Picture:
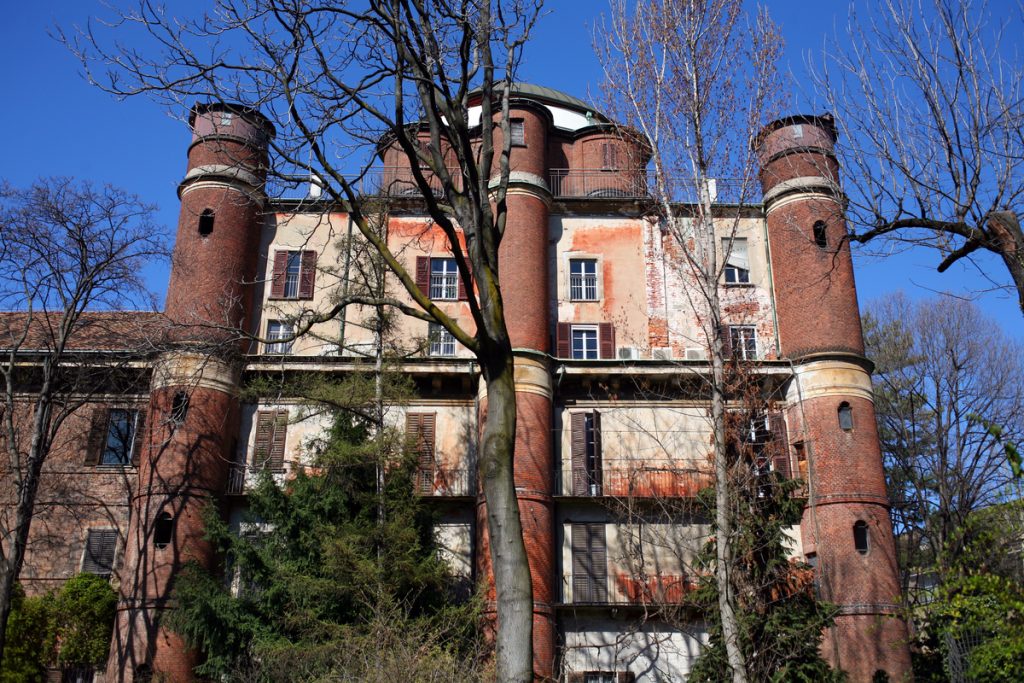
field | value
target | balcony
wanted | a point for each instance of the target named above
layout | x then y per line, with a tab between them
626	589
446	483
242	478
640	482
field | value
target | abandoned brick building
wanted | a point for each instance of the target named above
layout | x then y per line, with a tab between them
597	308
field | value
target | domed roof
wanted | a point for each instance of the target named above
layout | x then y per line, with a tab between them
551	96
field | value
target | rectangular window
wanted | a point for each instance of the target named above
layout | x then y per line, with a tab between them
586	454
517	132
294	275
271	434
609	156
589	563
442	343
419	434
737	264
583	279
277	329
444	279
743	340
122	425
584	342
100	546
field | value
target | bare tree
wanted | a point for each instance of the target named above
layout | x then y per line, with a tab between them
927	96
65	248
413	78
698	81
943	371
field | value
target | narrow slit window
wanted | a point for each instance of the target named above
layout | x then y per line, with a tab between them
820	235
163	530
179	407
860	537
845	416
206	223
517	132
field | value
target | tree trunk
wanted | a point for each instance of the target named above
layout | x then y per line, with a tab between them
514	590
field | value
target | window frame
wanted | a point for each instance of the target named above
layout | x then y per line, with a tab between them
133	437
588	288
110	531
732	274
517	132
592	332
300	265
275	347
743	347
861	526
447	288
440	342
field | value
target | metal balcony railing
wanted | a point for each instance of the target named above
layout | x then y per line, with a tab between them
640	481
626	589
438	482
239	475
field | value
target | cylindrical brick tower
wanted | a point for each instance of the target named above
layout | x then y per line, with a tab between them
846	530
192	417
523	272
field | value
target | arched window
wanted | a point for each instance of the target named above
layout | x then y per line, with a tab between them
206	223
820	235
860	537
845	416
179	407
163	530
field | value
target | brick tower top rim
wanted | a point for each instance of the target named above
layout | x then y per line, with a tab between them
249	113
825	122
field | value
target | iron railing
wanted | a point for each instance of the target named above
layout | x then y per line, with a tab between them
627	589
441	482
639	482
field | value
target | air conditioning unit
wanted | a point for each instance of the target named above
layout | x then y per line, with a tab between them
695	353
628	353
661	353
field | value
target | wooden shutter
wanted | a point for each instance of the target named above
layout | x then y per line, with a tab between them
727	350
420	431
280	268
609	156
597	476
307	274
626	677
275	460
589	563
465	285
100	546
423	274
140	440
606	340
579	454
563	333
779	445
97	435
264	437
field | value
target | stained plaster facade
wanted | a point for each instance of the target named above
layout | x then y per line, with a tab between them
642	384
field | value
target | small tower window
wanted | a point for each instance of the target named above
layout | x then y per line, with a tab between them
517	132
179	407
820	235
860	537
163	530
845	416
206	223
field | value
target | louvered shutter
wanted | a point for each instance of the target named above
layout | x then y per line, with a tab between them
100	546
423	274
464	285
280	269
780	445
275	460
563	332
597	476
606	339
264	435
727	350
420	432
579	454
97	440
589	563
140	440
307	274
610	156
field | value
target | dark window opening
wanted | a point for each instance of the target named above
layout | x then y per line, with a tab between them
77	674
163	530
860	537
121	436
206	223
820	235
845	416
144	673
100	546
179	407
812	560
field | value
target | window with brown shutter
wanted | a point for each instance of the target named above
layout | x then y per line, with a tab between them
606	335
586	454
589	563
268	446
97	436
582	341
100	546
609	156
420	434
780	445
294	274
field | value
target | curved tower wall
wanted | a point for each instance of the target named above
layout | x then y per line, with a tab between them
193	411
820	332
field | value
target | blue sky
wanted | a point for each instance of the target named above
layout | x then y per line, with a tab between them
56	124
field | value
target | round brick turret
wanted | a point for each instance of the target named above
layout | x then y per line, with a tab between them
846	530
193	414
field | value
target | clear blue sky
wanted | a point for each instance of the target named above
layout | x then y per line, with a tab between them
56	124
